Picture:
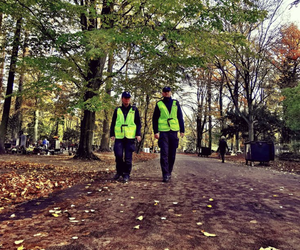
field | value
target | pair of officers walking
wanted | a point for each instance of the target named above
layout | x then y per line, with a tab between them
125	127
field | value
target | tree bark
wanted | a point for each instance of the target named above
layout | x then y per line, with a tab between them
94	81
105	132
2	56
10	83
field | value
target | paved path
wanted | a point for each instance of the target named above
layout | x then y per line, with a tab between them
246	208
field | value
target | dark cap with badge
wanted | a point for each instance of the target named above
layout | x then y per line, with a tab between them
126	94
166	89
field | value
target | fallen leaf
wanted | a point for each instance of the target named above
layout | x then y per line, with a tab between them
209	234
55	215
209	206
140	218
199	223
268	248
137	227
211	199
20	247
17	242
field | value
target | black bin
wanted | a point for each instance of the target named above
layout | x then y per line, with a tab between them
205	151
261	151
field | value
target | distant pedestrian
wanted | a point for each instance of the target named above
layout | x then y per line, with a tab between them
167	122
125	128
45	143
222	148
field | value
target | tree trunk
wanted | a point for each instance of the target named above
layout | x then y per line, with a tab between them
105	133
94	81
236	106
19	99
85	150
2	56
10	83
140	145
36	125
209	111
104	147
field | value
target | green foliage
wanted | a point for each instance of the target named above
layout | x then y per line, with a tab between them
292	107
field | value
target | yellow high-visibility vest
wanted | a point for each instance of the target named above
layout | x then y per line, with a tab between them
168	120
125	128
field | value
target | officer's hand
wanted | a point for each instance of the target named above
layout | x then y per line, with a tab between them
112	138
156	136
138	138
182	135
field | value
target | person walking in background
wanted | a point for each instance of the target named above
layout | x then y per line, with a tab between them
222	148
167	122
125	128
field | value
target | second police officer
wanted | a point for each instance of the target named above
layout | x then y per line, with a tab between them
125	128
167	122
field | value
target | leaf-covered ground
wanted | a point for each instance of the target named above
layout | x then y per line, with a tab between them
32	196
23	178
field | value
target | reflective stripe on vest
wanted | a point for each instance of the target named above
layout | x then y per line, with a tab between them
125	128
168	121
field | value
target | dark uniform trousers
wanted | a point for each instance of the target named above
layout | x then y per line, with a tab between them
123	149
168	143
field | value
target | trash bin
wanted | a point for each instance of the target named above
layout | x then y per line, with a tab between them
205	151
261	151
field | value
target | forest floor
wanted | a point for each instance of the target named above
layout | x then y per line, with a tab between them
30	184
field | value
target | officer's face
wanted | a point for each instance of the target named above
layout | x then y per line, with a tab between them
125	101
167	94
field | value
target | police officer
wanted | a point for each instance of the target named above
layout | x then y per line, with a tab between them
125	128
167	121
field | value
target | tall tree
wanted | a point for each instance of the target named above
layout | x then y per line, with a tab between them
10	83
146	33
249	68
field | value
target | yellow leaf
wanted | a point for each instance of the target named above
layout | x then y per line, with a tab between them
211	199
209	234
55	215
137	227
210	206
268	248
20	248
140	218
17	242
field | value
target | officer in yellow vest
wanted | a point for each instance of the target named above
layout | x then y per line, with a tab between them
125	128
167	122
